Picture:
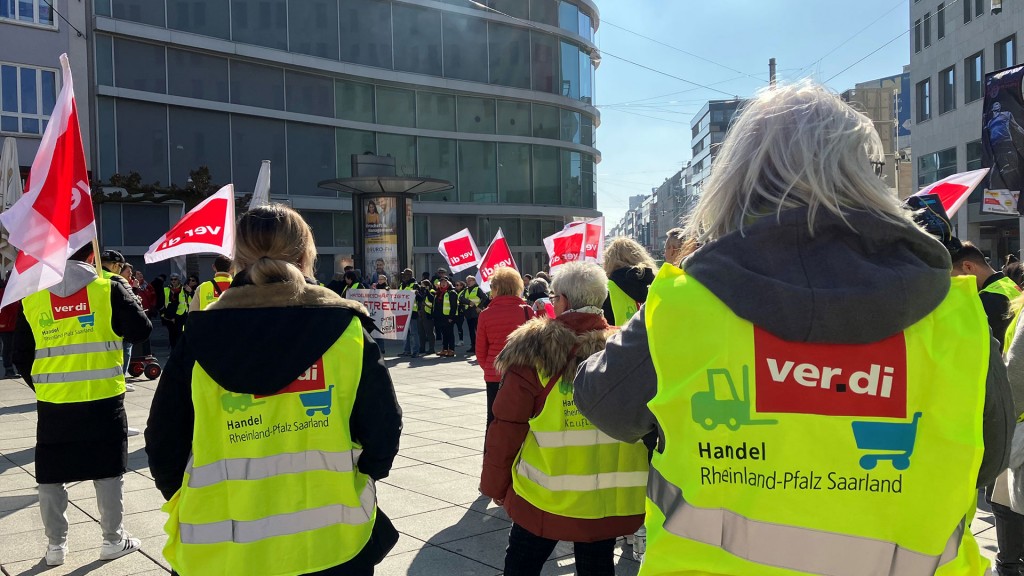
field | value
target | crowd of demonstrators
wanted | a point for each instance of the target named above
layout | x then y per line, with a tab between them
318	478
506	311
538	440
630	271
538	295
78	378
794	213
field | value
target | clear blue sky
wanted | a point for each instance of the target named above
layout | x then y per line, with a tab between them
639	152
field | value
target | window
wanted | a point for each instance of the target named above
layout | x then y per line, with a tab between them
256	85
465	47
478	171
311	158
924	100
586	26
1006	54
475	115
353	101
570	71
570	121
438	160
104	59
927	21
352	142
936	166
309	94
143	11
142	140
396	107
974	77
572	176
139	66
196	75
254	140
260	22
589	182
142	223
587	131
435	111
366	32
513	118
514	8
544	11
417	39
968	12
545	122
586	78
947	96
28	11
201	138
27	96
206	17
322	225
940	25
107	138
546	184
917	36
974	152
313	28
509	56
545	63
979	8
568	17
514	173
402	149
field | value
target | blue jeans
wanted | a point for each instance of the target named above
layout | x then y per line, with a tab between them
412	339
127	349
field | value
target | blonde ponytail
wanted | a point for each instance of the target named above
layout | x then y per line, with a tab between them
274	244
267	270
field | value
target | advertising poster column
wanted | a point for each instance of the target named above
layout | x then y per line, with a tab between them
380	232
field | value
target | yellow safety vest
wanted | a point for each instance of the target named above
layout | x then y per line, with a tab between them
78	356
428	303
473	295
272	485
570	468
623	307
446	301
207	293
183	300
787	458
1003	286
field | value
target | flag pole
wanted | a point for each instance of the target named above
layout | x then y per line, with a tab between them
98	260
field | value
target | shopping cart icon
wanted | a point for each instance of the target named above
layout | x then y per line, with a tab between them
318	401
893	441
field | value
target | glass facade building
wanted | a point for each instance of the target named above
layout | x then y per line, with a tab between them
498	101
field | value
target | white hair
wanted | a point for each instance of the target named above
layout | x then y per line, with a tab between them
793	146
582	283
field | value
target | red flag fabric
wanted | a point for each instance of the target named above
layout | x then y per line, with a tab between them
954	190
460	251
54	218
594	240
209	227
565	246
498	255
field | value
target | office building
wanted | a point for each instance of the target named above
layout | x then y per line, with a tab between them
707	130
886	101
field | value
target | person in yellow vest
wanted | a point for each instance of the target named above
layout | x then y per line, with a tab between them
208	292
630	271
425	311
113	265
474	300
994	288
557	476
407	281
827	399
270	467
174	308
67	344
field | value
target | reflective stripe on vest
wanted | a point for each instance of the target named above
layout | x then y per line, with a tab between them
295	523
785	458
274	473
623	307
791	547
259	468
78	355
567	467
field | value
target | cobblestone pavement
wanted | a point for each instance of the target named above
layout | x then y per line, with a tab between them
431	494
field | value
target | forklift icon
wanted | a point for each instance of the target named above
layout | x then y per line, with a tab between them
710	411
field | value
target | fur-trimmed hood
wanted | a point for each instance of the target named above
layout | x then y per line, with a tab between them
555	346
259	339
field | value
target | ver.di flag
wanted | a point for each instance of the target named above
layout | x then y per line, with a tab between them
498	255
954	190
593	241
565	246
460	251
209	227
54	217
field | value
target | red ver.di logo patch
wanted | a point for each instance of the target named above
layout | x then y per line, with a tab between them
72	306
864	380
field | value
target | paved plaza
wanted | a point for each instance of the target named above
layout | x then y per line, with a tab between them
431	495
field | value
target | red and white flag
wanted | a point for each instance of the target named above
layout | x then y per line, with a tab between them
54	217
593	242
565	246
460	251
498	255
954	190
209	227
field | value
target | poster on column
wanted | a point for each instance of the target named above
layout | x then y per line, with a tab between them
1002	129
391	310
380	233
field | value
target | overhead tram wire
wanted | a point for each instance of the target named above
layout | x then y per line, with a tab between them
857	33
602	52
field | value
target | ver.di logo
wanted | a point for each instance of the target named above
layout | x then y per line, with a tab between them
73	306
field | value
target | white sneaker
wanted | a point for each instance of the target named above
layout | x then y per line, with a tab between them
55	554
133	431
129	387
127	545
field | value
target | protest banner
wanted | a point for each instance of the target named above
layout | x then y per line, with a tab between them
390	310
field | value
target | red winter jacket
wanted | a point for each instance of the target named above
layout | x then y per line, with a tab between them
503	315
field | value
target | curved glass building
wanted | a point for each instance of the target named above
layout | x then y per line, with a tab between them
497	99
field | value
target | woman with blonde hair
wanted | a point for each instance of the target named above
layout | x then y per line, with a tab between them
630	271
811	282
273	419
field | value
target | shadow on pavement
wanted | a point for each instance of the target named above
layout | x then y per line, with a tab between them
428	562
42	568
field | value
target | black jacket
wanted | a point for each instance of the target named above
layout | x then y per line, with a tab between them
453	304
82	440
257	340
634	282
997	309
